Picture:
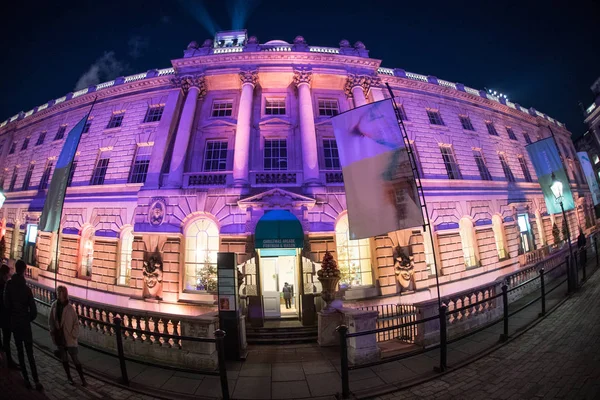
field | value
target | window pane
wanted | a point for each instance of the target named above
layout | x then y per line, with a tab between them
354	259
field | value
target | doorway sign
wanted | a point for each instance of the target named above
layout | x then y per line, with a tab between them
278	229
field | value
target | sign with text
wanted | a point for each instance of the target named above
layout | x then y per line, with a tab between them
278	243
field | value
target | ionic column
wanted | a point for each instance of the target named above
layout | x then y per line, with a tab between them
195	88
242	131
355	88
310	158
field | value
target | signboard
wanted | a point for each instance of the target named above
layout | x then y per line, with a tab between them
279	243
588	170
381	193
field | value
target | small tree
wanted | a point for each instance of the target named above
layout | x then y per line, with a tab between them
555	234
565	232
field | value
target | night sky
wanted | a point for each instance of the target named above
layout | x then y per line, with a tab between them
540	55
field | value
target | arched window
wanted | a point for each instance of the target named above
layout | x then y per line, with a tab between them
353	256
86	250
469	242
125	252
201	247
498	228
540	226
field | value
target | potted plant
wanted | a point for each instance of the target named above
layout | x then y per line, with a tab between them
329	276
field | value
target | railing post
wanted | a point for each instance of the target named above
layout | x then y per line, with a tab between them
343	331
220	337
569	276
504	336
543	289
443	339
124	377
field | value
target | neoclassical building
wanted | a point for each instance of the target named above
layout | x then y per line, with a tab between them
231	149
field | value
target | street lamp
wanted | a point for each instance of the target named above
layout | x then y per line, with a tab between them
557	191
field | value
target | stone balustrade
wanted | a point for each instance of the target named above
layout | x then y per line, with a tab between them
334	177
534	256
206	179
278	178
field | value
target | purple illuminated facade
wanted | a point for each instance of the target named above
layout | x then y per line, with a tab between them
183	162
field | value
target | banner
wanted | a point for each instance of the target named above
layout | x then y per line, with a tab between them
381	194
546	161
50	218
590	177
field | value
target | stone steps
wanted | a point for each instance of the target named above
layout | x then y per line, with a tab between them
287	335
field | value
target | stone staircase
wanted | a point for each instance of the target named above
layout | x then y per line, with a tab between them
281	334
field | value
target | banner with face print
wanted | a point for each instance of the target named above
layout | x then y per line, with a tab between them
590	177
381	193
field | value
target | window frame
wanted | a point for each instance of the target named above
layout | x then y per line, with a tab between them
60	133
140	166
125	256
324	111
27	178
345	247
484	171
466	120
491	128
99	172
205	229
227	111
511	134
508	174
25	143
154	113
41	138
116	120
333	156
273	106
13	179
435	117
13	147
452	166
45	179
218	160
527	138
279	147
524	168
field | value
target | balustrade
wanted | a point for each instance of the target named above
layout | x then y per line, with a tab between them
334	177
207	179
281	177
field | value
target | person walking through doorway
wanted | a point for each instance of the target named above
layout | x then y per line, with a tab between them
64	330
5	319
20	304
287	295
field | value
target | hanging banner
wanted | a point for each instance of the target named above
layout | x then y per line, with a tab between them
381	193
590	177
546	161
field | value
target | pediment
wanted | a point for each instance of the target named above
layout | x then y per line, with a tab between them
274	121
276	198
218	123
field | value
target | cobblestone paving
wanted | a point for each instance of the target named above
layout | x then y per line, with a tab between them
557	359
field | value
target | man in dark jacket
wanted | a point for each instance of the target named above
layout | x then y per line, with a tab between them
19	302
5	318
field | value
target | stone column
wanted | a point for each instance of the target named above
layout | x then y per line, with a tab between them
164	130
195	88
310	157
243	129
355	88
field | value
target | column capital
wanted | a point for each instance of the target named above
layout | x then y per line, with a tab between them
365	82
249	77
185	82
302	75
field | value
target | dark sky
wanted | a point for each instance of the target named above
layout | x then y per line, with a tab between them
541	53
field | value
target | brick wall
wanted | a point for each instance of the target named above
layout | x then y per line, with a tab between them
69	258
104	271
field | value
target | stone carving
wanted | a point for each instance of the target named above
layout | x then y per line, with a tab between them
344	43
153	276
157	211
207	43
185	82
359	45
363	81
252	40
302	76
250	77
404	269
299	40
193	45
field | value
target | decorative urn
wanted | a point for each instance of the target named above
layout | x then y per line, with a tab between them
329	276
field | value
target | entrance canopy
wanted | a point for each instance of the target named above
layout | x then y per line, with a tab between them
278	229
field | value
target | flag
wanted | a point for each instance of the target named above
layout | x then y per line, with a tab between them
381	193
590	177
50	218
546	162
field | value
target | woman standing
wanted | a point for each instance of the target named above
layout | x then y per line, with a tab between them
64	329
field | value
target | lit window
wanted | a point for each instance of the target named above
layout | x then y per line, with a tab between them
468	242
86	127
484	172
222	108
331	155
25	144
328	107
41	139
46	175
353	256
100	170
27	179
139	169
275	155
275	106
13	180
511	133
154	113
450	163
116	120
466	122
527	138
215	156
506	168
595	159
498	228
61	132
525	169
201	247
125	256
491	128
13	146
87	253
434	117
72	173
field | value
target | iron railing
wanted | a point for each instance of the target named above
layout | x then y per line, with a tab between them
392	315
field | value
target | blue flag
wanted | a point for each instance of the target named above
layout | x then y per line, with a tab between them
50	218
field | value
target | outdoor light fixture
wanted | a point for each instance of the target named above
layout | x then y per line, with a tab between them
557	189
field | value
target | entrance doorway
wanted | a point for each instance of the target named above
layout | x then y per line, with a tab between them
278	267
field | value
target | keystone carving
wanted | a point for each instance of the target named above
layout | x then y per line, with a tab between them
185	82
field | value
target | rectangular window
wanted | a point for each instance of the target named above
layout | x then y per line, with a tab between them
275	106
527	138
139	169
434	117
525	169
86	127
466	122
275	155
72	173
13	146
328	107
450	163
13	180
491	128
115	121
100	170
154	113
41	139
222	108
215	156
25	144
60	133
46	175
413	147
511	133
331	155
27	177
484	172
506	168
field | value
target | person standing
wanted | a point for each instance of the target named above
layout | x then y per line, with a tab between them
5	319
64	330
581	242
19	302
287	295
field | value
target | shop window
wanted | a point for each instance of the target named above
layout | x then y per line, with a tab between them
201	247
353	256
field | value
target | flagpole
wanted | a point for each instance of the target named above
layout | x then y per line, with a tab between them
63	204
417	177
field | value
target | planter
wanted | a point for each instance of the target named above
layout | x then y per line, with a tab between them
328	293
